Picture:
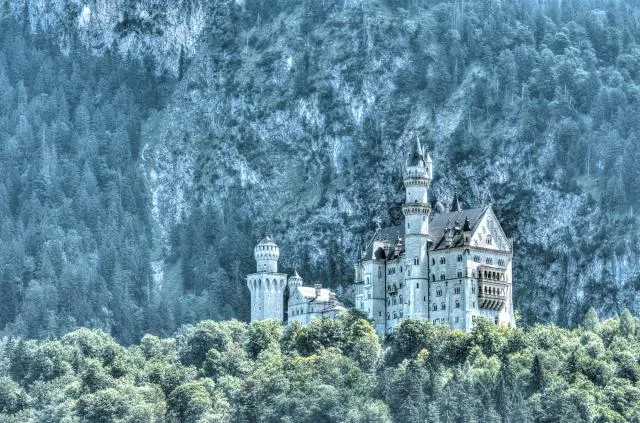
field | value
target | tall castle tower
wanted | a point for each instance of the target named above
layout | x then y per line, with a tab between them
417	178
267	286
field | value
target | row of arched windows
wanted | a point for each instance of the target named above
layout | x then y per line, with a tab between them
266	247
497	276
443	306
492	290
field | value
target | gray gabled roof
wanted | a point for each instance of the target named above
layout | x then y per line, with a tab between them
438	223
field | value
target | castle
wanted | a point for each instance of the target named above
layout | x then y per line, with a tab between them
447	267
282	297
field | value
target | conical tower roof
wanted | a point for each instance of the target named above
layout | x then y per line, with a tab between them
416	155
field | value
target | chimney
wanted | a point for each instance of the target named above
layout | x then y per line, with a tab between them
318	288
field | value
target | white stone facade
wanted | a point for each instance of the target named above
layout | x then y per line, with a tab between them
445	267
281	297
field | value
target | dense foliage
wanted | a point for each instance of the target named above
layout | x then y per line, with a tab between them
330	370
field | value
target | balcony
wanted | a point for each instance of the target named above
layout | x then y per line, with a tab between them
492	295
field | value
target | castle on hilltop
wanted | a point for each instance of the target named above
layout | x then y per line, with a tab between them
448	267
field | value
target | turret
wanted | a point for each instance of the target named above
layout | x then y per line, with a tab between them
267	286
295	280
266	254
417	178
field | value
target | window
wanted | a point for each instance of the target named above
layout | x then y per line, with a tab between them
424	298
476	259
368	295
400	300
387	315
443	260
379	313
456	319
417	285
362	305
489	260
395	315
442	277
400	269
473	273
459	273
379	272
433	262
457	304
435	321
394	301
367	282
433	278
442	306
416	261
456	290
473	289
459	257
401	314
438	292
489	239
434	307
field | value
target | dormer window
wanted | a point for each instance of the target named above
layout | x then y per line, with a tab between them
489	239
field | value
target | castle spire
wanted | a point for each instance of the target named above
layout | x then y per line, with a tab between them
416	154
456	203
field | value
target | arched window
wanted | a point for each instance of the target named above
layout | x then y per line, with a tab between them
442	277
443	260
433	278
456	290
434	307
442	306
476	259
457	304
459	257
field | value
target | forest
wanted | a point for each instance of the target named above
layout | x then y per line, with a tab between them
140	164
329	371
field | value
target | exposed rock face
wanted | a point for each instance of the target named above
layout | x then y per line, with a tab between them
295	118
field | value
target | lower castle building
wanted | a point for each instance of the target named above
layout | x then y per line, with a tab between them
282	297
447	267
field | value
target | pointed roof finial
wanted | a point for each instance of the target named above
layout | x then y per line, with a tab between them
416	154
456	203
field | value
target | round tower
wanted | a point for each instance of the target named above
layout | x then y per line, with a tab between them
266	254
295	280
267	286
417	178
